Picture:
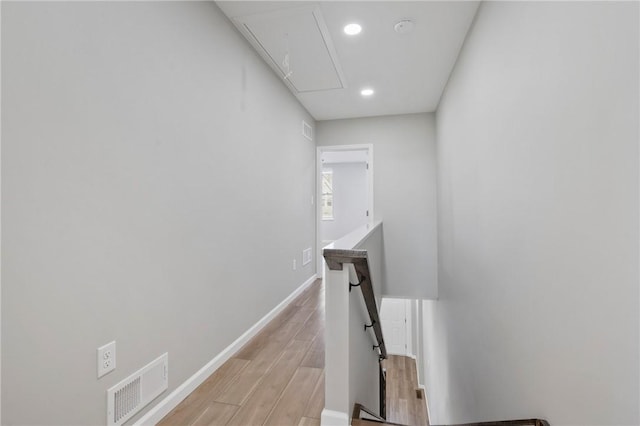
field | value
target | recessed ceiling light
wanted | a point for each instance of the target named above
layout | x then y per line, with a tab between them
366	92
352	29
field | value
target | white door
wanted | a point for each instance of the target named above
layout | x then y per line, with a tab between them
351	171
348	189
393	315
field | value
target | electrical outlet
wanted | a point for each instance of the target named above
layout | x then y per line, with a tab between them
106	357
294	264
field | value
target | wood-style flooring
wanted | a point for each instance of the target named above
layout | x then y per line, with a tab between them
405	402
277	378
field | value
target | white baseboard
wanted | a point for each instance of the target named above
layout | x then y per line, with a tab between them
172	400
426	402
334	418
424	391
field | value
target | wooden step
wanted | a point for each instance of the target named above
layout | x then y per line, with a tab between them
363	422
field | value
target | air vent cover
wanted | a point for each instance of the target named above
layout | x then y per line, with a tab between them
307	131
129	396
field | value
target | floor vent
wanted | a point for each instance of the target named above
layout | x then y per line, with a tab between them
129	396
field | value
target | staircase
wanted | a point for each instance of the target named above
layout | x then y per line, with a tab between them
354	279
528	422
363	422
364	417
405	403
406	410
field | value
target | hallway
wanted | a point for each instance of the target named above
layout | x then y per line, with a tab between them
275	379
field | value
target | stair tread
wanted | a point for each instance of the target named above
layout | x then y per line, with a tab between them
363	422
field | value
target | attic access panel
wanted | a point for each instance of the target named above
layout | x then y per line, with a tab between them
302	33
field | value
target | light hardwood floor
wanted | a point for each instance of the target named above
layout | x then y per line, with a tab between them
277	378
405	404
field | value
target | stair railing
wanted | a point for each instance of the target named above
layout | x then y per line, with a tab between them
354	344
336	258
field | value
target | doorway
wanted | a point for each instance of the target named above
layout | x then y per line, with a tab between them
344	192
396	318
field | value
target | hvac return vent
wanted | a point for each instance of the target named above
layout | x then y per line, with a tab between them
129	396
307	131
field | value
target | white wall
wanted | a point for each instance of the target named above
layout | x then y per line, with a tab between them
351	364
538	208
404	163
364	365
155	189
0	225
350	189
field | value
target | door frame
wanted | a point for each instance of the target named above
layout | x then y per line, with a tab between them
339	148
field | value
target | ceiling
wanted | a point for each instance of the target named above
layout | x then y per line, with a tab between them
326	69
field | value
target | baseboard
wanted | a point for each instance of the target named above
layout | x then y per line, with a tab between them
172	400
421	386
334	418
424	391
426	402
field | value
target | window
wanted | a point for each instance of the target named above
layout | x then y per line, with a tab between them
327	195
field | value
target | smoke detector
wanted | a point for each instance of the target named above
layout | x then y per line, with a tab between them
403	27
